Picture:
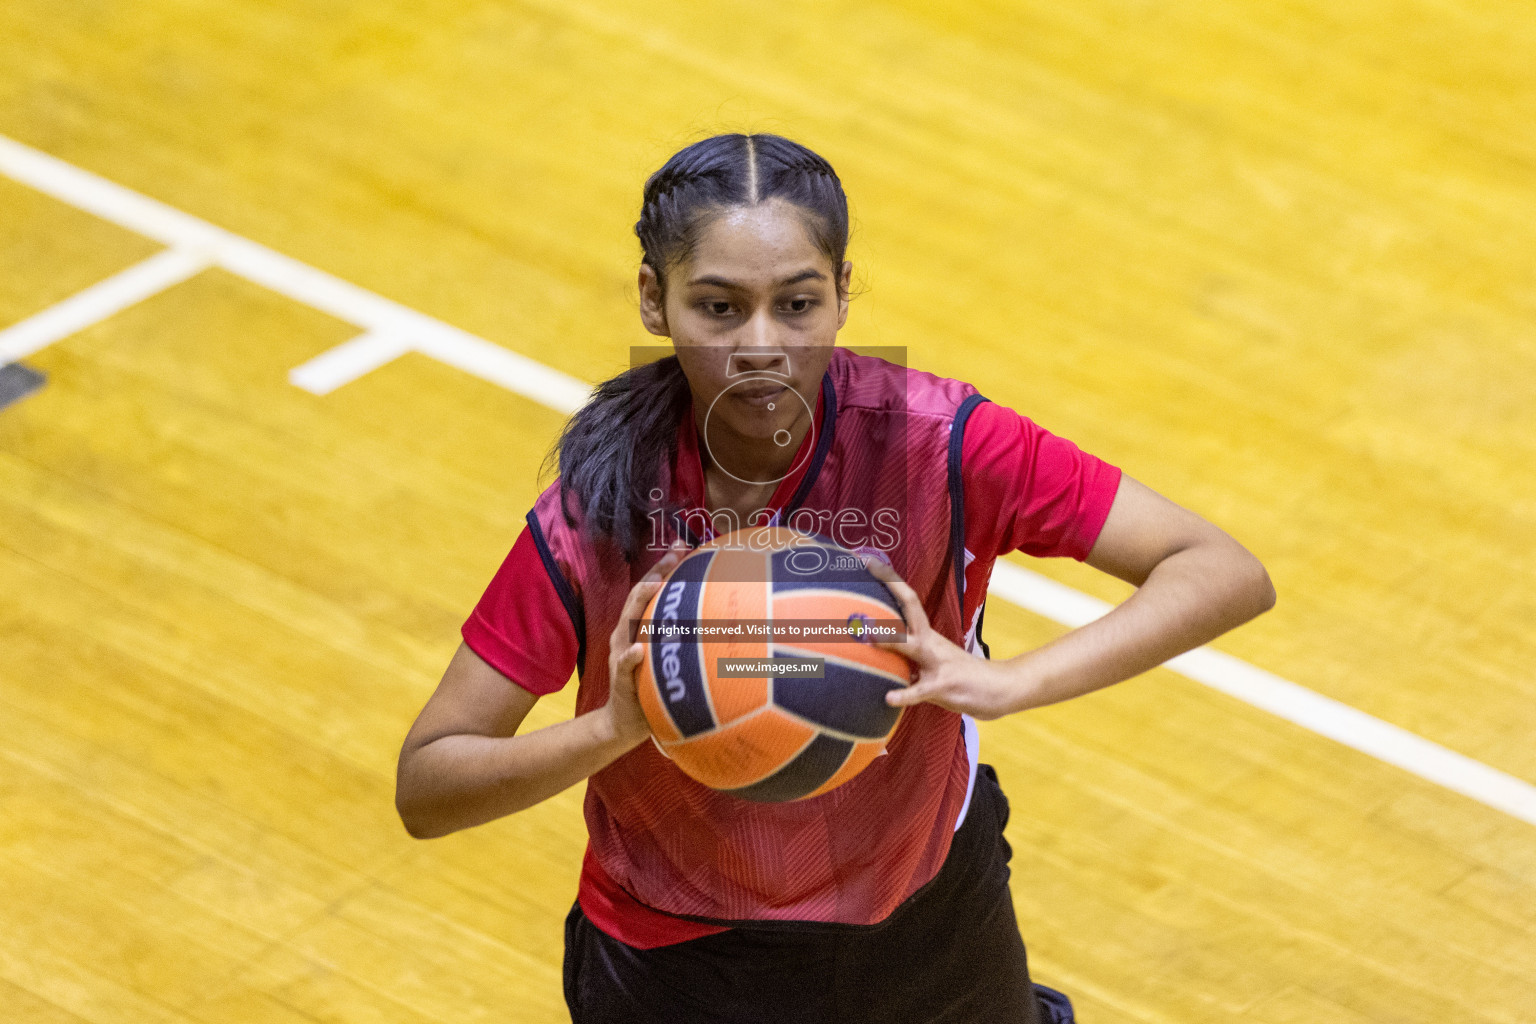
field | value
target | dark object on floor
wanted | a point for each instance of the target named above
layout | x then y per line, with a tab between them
17	382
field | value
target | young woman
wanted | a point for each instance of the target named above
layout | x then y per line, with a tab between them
886	898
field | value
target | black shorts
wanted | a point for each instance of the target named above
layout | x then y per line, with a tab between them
952	952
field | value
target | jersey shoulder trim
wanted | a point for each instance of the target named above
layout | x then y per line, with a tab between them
823	443
957	493
562	585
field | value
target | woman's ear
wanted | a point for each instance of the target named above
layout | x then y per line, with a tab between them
844	286
653	307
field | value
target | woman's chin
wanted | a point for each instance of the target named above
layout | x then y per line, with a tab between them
762	426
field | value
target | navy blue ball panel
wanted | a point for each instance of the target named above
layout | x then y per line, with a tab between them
677	663
847	698
814	765
796	569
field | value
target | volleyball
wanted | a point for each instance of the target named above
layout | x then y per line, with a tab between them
760	677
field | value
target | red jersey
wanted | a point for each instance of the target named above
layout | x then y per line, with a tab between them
995	482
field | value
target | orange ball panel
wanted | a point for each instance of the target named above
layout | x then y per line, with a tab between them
759	539
650	704
730	594
744	752
734	698
826	607
736	564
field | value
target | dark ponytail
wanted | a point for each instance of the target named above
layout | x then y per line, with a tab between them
612	451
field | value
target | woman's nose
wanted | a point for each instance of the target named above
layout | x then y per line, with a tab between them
758	360
761	354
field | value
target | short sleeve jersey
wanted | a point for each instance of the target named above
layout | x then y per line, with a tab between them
1025	489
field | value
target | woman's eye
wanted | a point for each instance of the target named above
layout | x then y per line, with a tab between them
800	305
717	307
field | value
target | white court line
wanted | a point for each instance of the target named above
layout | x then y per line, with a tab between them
99	301
1285	699
565	394
347	362
544	384
1355	728
1043	596
287	276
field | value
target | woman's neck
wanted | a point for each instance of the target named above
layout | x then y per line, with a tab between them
742	473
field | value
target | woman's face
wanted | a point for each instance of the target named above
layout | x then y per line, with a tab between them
753	314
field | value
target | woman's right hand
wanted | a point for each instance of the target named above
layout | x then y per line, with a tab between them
623	708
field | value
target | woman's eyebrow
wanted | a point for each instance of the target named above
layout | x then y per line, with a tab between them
804	275
723	282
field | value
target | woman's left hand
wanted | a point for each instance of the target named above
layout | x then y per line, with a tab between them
946	675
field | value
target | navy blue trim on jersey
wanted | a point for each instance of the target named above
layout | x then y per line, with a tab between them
957	497
680	526
563	590
823	445
981	618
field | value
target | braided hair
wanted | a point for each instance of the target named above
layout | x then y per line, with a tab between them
612	450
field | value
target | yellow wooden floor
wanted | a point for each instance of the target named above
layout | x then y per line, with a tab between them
1274	259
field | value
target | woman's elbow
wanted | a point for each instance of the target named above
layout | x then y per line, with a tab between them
416	824
415	811
1260	587
1247	589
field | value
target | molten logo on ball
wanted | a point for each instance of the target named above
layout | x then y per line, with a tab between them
671	665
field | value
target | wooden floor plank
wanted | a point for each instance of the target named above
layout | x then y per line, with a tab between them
20	1005
50	251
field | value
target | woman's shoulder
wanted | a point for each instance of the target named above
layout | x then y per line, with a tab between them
880	379
557	523
546	507
565	539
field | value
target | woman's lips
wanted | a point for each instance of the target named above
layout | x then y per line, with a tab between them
760	397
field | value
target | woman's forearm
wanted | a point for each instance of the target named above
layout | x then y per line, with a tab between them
458	781
1189	599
